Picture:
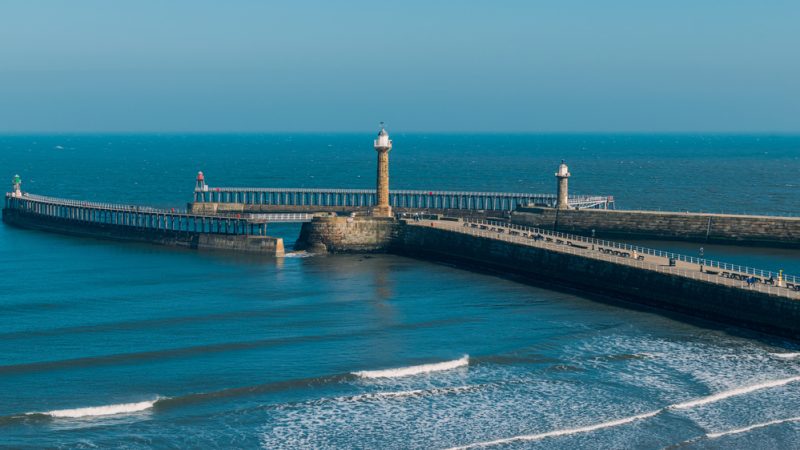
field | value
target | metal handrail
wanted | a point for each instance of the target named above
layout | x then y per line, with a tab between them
578	201
282	217
398	191
113	207
709	263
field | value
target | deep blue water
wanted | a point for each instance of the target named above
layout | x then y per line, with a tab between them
215	350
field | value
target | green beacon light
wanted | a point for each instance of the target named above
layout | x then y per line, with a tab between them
16	188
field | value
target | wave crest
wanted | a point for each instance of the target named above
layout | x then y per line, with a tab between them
786	355
564	432
752	427
104	410
677	406
733	393
414	370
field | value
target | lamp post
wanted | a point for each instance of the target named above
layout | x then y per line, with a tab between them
702	251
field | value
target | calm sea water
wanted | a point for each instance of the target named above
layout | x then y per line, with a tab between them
213	350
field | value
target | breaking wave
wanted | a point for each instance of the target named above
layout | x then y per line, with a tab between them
786	355
677	406
564	432
752	427
733	393
414	370
105	410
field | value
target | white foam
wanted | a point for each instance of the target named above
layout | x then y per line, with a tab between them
410	393
685	405
564	432
298	254
106	410
414	370
733	392
752	427
786	355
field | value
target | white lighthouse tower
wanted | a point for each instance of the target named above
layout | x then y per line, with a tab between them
563	180
383	145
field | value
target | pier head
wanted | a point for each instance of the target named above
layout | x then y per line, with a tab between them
16	187
357	233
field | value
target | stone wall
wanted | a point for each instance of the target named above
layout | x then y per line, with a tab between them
347	234
697	227
251	244
740	307
255	244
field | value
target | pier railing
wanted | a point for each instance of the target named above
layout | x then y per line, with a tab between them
626	251
283	217
412	199
132	216
99	205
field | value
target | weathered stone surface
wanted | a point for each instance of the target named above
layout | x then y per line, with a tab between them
347	234
720	228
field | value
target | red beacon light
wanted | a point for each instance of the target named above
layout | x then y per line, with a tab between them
201	182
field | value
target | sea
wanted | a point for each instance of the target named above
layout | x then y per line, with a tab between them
124	345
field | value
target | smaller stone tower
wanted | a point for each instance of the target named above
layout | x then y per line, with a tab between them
563	180
383	145
16	186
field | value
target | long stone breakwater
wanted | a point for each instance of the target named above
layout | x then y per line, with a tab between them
746	297
728	229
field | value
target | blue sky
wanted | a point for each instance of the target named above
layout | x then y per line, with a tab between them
482	66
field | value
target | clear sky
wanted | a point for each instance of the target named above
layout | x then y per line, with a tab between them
528	66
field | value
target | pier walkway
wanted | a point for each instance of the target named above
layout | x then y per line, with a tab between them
721	273
402	199
144	218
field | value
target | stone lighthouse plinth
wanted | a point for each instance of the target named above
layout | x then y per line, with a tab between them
382	145
563	189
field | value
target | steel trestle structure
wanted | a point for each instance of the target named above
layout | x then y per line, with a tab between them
138	217
410	199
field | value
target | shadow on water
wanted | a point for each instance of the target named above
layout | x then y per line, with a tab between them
700	322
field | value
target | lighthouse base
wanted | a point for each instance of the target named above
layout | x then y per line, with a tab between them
382	211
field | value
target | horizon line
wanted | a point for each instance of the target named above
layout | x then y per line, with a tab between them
484	132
